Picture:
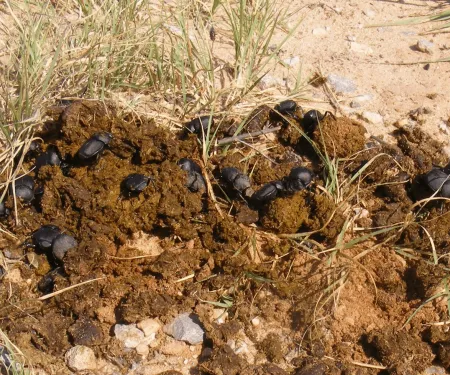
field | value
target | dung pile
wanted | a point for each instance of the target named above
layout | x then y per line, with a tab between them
131	207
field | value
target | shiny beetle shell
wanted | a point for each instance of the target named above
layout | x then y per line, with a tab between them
135	182
438	179
268	192
94	145
44	236
49	157
61	244
4	211
24	188
229	174
310	121
299	178
189	165
286	107
195	182
197	124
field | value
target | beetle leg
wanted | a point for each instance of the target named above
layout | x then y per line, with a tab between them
328	113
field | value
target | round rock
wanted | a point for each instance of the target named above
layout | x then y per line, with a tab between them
81	358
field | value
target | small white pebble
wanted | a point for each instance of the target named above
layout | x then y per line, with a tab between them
142	349
369	13
361	48
425	46
256	321
319	31
372	117
443	128
149	326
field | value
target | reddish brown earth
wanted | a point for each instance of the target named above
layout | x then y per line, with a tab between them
325	305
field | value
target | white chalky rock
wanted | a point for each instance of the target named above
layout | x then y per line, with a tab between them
361	48
149	326
341	84
425	46
319	31
80	358
372	117
256	322
129	335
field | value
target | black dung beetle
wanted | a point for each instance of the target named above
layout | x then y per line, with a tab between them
189	165
4	211
61	244
195	182
44	236
299	178
94	146
311	120
197	124
438	180
49	157
286	108
136	183
24	188
47	284
269	192
239	181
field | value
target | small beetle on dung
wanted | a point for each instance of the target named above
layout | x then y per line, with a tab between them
135	183
94	146
237	180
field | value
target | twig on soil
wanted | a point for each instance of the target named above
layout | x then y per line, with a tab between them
191	276
47	296
131	258
211	192
237	138
356	363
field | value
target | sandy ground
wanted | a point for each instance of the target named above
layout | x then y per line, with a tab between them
334	38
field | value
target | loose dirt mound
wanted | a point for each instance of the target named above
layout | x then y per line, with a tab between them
319	311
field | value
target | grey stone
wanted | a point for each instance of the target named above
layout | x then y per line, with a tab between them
187	327
341	84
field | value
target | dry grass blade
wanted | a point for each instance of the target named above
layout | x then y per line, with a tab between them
50	295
